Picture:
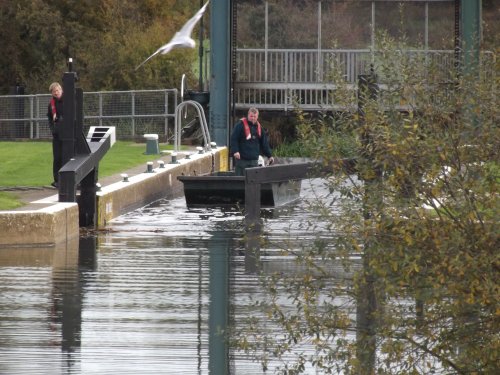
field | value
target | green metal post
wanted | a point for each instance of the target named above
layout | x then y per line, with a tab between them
220	30
470	26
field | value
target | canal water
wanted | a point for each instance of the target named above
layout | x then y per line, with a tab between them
135	297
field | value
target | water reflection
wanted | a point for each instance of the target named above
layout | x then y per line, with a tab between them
40	304
136	298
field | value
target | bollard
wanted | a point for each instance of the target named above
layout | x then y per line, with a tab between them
161	164
151	144
200	150
124	177
149	167
174	158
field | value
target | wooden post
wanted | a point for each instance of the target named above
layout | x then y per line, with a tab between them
254	177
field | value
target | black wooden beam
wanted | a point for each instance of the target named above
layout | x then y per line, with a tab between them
254	177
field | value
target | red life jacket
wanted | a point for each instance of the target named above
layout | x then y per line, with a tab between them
53	106
246	128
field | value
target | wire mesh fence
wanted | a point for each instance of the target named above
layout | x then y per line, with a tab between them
133	113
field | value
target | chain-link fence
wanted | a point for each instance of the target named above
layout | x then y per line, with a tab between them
133	113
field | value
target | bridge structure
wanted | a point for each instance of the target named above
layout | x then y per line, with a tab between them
272	77
284	79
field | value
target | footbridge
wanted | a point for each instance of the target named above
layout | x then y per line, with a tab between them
284	79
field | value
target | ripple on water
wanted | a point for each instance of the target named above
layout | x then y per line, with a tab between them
139	303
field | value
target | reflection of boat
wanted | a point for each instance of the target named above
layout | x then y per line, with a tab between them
226	189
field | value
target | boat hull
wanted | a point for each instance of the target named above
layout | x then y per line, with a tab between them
224	189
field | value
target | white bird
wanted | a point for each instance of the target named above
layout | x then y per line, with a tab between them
182	38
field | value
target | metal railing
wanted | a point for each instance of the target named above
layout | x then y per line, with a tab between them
272	79
202	119
133	113
284	79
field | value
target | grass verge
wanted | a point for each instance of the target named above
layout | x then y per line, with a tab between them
9	201
30	164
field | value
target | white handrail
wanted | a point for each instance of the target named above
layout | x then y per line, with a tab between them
182	86
203	123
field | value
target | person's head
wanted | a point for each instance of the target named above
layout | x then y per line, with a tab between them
56	90
253	114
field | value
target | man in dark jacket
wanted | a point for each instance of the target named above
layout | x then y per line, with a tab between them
55	115
248	141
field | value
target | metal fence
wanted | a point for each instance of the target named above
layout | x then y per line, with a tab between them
133	113
273	79
283	79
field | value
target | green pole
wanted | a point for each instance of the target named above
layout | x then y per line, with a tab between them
220	69
470	26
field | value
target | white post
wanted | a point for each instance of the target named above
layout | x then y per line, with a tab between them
100	108
373	31
426	33
133	113
320	65
266	41
426	26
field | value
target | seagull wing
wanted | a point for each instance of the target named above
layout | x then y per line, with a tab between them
182	38
150	57
188	27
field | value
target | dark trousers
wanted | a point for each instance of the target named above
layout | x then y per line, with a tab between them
57	156
241	165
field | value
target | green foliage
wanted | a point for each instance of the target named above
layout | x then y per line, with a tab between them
107	40
293	149
326	134
317	135
415	235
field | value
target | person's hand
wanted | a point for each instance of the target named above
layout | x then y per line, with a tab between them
270	160
237	155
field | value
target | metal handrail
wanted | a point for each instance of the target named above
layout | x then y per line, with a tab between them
203	123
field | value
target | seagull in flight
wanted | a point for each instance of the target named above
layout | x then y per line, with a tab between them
182	38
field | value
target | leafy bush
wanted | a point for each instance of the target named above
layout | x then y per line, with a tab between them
422	218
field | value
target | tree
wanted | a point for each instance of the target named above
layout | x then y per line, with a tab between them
421	215
106	38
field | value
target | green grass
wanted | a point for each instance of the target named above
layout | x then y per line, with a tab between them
30	164
25	163
8	201
125	155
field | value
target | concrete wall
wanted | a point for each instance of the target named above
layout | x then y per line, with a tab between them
47	226
57	223
121	197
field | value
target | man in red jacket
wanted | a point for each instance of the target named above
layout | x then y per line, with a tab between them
248	141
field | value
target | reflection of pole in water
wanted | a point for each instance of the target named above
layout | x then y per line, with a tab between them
366	309
366	306
200	301
252	251
67	300
67	294
219	248
87	253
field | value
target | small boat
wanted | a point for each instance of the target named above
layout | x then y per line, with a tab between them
225	189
